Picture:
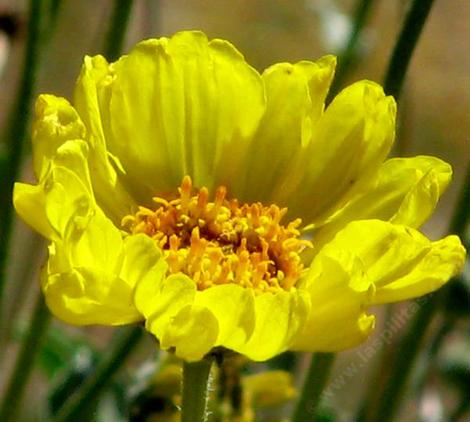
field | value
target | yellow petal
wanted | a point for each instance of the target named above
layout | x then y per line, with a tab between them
234	308
82	282
338	293
182	319
192	333
161	300
91	273
82	297
421	200
64	192
295	95
56	122
400	262
193	101
142	260
29	202
348	144
67	187
279	317
66	198
405	191
90	101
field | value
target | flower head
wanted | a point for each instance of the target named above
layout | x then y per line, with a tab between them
227	208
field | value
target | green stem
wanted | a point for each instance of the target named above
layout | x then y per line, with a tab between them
117	29
93	386
16	131
405	46
348	55
315	381
25	361
195	390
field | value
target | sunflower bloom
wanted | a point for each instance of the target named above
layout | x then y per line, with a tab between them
227	208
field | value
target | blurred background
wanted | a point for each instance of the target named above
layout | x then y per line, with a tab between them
433	119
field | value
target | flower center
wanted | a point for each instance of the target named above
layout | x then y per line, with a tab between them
223	242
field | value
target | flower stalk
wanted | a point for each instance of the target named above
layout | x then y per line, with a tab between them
196	382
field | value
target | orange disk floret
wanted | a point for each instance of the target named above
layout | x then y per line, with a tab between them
223	242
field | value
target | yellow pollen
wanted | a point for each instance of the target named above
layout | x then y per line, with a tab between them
223	242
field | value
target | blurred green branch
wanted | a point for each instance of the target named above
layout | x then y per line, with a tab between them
16	132
348	55
41	21
115	36
405	46
315	381
25	360
50	26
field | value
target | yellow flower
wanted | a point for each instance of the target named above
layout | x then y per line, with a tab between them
228	208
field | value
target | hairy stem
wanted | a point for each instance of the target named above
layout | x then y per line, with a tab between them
195	390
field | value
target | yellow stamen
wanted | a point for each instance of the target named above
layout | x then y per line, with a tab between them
223	242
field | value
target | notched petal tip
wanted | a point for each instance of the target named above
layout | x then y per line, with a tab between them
327	61
94	62
371	93
226	49
188	43
319	70
189	37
